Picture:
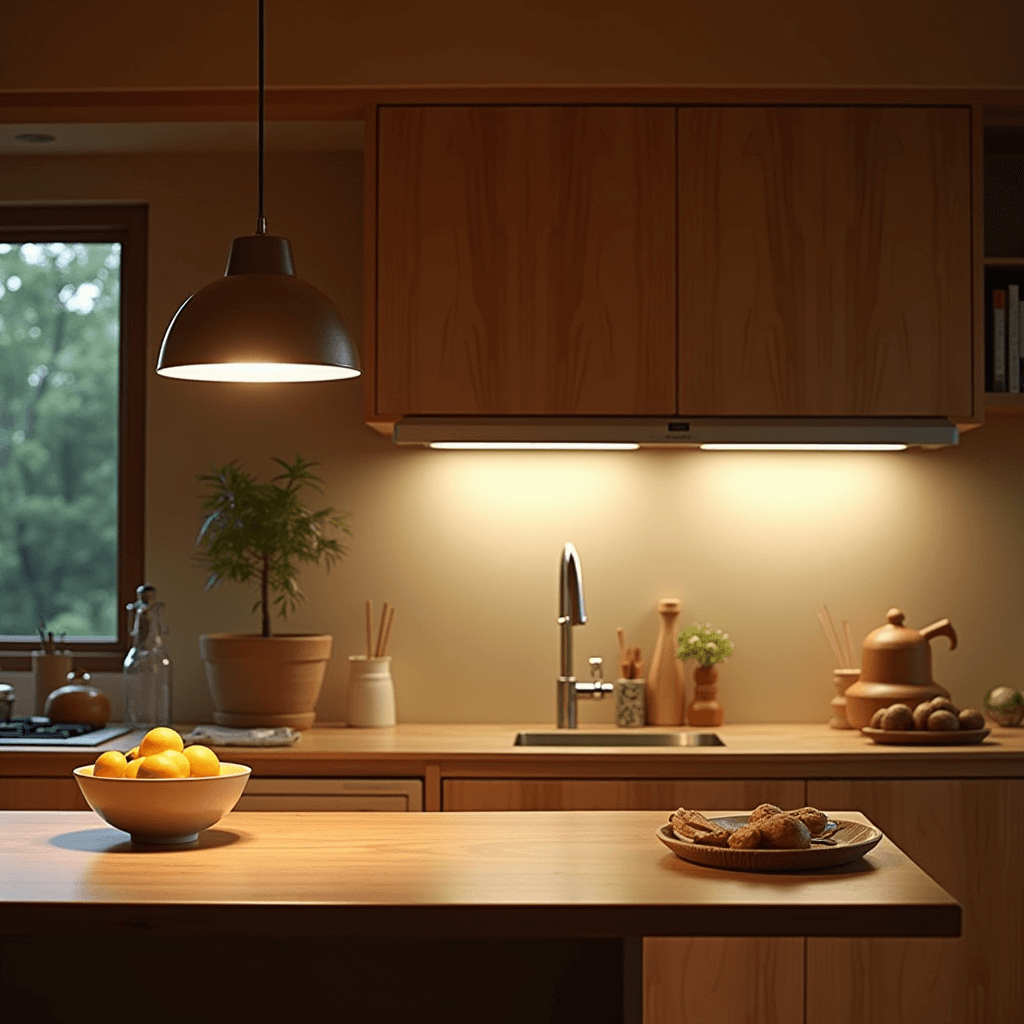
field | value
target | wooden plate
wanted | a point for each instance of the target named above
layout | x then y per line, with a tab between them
925	737
852	841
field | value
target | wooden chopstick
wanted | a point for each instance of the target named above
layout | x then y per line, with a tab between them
369	628
383	645
850	660
380	631
830	634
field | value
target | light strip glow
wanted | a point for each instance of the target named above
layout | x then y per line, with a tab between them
258	373
803	447
544	446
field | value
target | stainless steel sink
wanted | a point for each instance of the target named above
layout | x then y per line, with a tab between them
572	738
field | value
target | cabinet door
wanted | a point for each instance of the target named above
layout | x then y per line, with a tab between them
525	260
968	835
686	981
18	794
825	261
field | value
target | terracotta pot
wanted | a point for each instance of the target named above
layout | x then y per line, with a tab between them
704	708
265	681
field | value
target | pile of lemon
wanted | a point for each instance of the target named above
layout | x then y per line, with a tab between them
162	754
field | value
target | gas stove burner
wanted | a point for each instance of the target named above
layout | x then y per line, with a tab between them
41	731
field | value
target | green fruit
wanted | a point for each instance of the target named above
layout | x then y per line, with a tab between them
1005	705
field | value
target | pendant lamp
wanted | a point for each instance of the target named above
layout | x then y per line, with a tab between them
259	322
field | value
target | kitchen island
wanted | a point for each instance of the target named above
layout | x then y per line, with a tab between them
473	917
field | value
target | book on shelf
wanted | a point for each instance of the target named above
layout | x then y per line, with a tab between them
1013	326
999	339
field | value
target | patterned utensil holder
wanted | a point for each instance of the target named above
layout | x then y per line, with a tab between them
630	704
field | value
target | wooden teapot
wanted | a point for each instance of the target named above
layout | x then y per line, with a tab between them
895	668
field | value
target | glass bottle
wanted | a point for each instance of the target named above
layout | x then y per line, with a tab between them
147	669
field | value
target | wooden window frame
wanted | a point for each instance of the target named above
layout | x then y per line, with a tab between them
128	225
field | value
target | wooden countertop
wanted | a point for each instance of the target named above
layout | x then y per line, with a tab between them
593	873
762	751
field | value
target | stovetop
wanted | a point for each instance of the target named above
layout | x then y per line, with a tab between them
40	731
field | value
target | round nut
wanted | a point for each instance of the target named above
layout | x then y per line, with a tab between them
943	721
762	812
944	704
782	832
876	718
971	718
898	718
921	713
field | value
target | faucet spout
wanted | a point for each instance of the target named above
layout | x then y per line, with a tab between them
572	612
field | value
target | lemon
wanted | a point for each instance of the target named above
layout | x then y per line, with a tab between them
160	739
132	754
203	760
111	764
161	766
132	771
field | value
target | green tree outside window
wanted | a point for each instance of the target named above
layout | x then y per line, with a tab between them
59	387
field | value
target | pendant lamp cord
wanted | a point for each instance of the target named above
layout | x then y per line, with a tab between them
261	221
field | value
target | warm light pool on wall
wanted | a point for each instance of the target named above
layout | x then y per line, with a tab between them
259	322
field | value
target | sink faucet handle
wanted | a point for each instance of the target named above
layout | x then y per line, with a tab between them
597	668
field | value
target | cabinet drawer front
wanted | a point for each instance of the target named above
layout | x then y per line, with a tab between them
825	261
526	260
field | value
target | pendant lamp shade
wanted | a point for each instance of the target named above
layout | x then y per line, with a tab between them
258	323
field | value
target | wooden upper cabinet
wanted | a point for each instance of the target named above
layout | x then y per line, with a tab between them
526	260
825	261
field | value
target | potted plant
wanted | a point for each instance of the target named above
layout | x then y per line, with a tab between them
260	533
708	647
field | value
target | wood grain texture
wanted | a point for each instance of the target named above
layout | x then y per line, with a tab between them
825	261
968	835
580	873
748	980
525	260
21	794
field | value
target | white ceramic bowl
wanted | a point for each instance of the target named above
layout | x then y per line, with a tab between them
164	810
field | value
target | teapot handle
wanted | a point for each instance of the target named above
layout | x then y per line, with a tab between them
941	628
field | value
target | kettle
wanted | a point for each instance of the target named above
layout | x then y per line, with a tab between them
895	668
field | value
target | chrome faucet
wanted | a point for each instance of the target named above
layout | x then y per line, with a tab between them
571	612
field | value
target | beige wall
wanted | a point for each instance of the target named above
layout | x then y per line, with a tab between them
50	44
466	545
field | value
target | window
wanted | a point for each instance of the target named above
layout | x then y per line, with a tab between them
72	425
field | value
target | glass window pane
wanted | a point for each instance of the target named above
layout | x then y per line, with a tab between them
59	390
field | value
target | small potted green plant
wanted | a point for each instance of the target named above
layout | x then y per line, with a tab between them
709	647
260	533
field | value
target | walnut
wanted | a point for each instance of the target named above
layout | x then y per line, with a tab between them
815	820
898	718
943	721
921	713
944	704
747	837
971	718
783	832
762	812
713	838
876	718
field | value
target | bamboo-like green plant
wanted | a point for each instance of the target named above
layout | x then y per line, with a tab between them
260	532
705	644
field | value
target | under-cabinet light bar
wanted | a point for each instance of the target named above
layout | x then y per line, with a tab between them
803	447
575	433
532	446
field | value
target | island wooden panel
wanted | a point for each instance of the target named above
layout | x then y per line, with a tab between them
825	261
525	260
686	981
968	835
21	794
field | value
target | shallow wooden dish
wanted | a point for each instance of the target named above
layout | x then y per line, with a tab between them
924	737
852	841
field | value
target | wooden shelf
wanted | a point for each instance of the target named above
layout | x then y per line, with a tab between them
1004	261
1003	404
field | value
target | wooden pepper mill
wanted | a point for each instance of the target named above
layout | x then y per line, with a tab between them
665	692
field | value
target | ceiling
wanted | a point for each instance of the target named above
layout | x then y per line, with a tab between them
204	137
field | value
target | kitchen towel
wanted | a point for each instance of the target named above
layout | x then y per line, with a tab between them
219	736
